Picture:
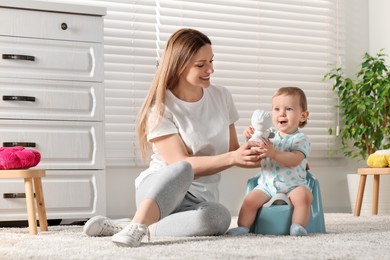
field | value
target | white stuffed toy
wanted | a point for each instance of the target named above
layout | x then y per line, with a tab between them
262	123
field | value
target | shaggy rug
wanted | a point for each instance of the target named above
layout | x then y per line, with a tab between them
347	237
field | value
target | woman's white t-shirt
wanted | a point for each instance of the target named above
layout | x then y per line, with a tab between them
204	129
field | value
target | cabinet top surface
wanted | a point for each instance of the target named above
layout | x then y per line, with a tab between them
53	7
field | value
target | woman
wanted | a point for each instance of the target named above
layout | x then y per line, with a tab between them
188	125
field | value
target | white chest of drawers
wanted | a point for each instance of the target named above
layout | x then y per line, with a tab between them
52	99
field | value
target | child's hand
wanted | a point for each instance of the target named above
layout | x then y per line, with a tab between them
267	149
248	132
288	159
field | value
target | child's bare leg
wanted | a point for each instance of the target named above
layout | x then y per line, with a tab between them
252	202
301	198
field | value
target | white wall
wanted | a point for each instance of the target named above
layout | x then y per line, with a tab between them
331	173
379	36
357	33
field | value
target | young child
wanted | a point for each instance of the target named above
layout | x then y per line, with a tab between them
284	162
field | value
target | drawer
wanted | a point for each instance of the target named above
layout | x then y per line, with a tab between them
62	144
48	59
68	194
50	25
52	100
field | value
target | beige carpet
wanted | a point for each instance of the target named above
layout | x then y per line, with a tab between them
347	237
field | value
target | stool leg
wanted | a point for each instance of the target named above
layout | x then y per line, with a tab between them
32	221
375	195
40	204
359	198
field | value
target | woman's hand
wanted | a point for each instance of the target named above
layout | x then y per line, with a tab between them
248	155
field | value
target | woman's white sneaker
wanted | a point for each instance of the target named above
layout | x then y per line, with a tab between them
131	235
101	226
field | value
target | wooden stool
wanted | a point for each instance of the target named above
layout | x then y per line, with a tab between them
363	172
31	176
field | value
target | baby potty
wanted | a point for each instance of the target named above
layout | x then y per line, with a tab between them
274	218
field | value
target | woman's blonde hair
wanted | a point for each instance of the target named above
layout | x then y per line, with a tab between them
294	91
180	48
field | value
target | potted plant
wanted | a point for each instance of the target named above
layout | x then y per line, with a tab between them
365	106
364	103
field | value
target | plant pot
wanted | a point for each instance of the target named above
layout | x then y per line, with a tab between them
384	194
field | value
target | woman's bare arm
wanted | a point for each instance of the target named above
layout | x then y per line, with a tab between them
172	149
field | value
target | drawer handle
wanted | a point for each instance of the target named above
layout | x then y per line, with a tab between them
18	98
64	26
15	195
18	57
24	144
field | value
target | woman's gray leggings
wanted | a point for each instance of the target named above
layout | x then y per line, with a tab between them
182	214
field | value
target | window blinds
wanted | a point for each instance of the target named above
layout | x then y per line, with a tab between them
130	62
259	46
